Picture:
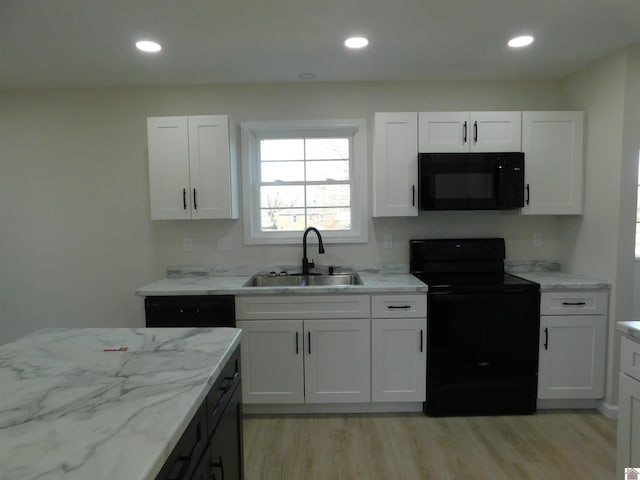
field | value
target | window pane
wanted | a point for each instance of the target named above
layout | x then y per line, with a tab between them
282	149
281	197
327	148
328	170
282	171
328	195
330	218
282	219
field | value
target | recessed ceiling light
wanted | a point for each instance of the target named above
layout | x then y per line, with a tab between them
356	42
522	41
148	46
307	76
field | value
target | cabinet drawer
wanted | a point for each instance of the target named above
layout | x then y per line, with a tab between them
304	306
574	303
399	306
219	395
630	358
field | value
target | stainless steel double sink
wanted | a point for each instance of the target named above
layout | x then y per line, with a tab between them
294	280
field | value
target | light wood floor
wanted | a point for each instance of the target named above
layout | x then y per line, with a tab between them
544	446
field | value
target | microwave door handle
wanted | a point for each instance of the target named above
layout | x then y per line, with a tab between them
500	164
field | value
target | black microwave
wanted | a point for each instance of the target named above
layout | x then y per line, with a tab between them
470	181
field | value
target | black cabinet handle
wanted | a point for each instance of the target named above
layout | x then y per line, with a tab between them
185	460
401	307
229	382
309	342
464	132
184	198
195	200
220	465
421	340
297	350
413	195
475	132
189	310
528	194
574	304
546	339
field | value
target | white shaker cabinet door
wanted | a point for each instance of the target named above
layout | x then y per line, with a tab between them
398	359
395	165
552	143
168	145
272	361
495	131
212	167
443	132
572	356
337	360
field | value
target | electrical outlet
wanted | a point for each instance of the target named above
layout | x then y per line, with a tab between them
387	241
224	243
187	244
537	239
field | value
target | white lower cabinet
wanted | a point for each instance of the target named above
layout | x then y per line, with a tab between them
334	349
305	360
398	357
628	448
398	348
572	345
272	364
337	361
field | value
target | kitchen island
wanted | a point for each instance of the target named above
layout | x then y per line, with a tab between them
80	404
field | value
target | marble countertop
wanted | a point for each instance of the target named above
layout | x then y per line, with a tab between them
71	410
233	285
630	328
562	281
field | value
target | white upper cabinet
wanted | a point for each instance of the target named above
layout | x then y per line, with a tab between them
452	132
395	165
192	167
552	143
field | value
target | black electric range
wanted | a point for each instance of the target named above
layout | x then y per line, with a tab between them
482	328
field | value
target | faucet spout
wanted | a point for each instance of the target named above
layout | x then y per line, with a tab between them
306	264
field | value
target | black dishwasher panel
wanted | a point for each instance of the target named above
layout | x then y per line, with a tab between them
190	311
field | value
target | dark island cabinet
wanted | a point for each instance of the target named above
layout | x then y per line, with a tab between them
211	446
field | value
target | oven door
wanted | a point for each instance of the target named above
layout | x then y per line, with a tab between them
484	333
458	181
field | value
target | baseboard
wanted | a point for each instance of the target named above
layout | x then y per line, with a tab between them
320	408
609	411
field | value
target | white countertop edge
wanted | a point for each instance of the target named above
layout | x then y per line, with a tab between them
630	328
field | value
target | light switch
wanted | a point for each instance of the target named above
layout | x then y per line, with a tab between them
187	244
388	241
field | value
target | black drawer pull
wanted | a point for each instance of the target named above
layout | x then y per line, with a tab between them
186	461
225	387
220	465
297	348
398	307
421	340
574	304
189	310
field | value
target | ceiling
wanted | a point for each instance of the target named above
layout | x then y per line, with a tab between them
81	43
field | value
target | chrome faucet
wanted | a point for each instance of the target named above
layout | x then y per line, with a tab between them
306	264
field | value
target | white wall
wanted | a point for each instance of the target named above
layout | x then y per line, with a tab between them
601	242
76	235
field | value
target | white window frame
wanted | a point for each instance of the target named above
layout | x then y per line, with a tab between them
253	132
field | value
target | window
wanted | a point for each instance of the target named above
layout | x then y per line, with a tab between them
304	174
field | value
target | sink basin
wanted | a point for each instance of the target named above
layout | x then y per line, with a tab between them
266	280
337	279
